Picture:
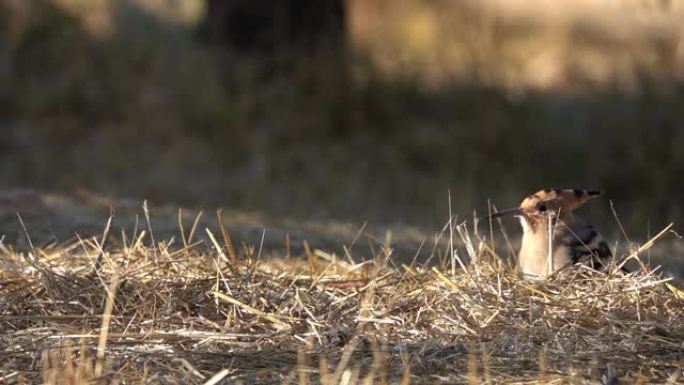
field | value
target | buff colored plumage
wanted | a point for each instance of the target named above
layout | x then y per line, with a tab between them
571	240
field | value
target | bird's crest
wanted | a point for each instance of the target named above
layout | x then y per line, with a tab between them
556	200
551	200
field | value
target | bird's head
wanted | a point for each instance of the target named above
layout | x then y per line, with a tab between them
557	202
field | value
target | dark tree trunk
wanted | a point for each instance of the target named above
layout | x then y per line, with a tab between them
274	25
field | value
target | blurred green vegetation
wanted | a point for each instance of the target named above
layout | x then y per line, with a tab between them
154	111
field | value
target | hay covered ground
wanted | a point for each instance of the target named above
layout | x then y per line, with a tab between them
131	307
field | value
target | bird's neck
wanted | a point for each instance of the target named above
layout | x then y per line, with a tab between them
539	226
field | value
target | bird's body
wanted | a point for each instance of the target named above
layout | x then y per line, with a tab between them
548	215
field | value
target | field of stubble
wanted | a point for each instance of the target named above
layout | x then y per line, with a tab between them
195	303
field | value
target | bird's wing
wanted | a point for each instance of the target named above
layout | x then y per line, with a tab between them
587	243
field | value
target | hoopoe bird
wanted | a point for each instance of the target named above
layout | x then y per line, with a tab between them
570	240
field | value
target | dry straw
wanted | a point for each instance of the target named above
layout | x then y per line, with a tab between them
200	313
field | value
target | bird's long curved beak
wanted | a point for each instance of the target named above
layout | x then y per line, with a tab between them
504	213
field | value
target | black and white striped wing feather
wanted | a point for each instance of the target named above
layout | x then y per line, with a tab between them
588	246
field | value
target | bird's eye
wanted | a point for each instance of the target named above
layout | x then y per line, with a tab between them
541	208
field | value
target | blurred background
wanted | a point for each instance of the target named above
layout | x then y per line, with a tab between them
351	110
